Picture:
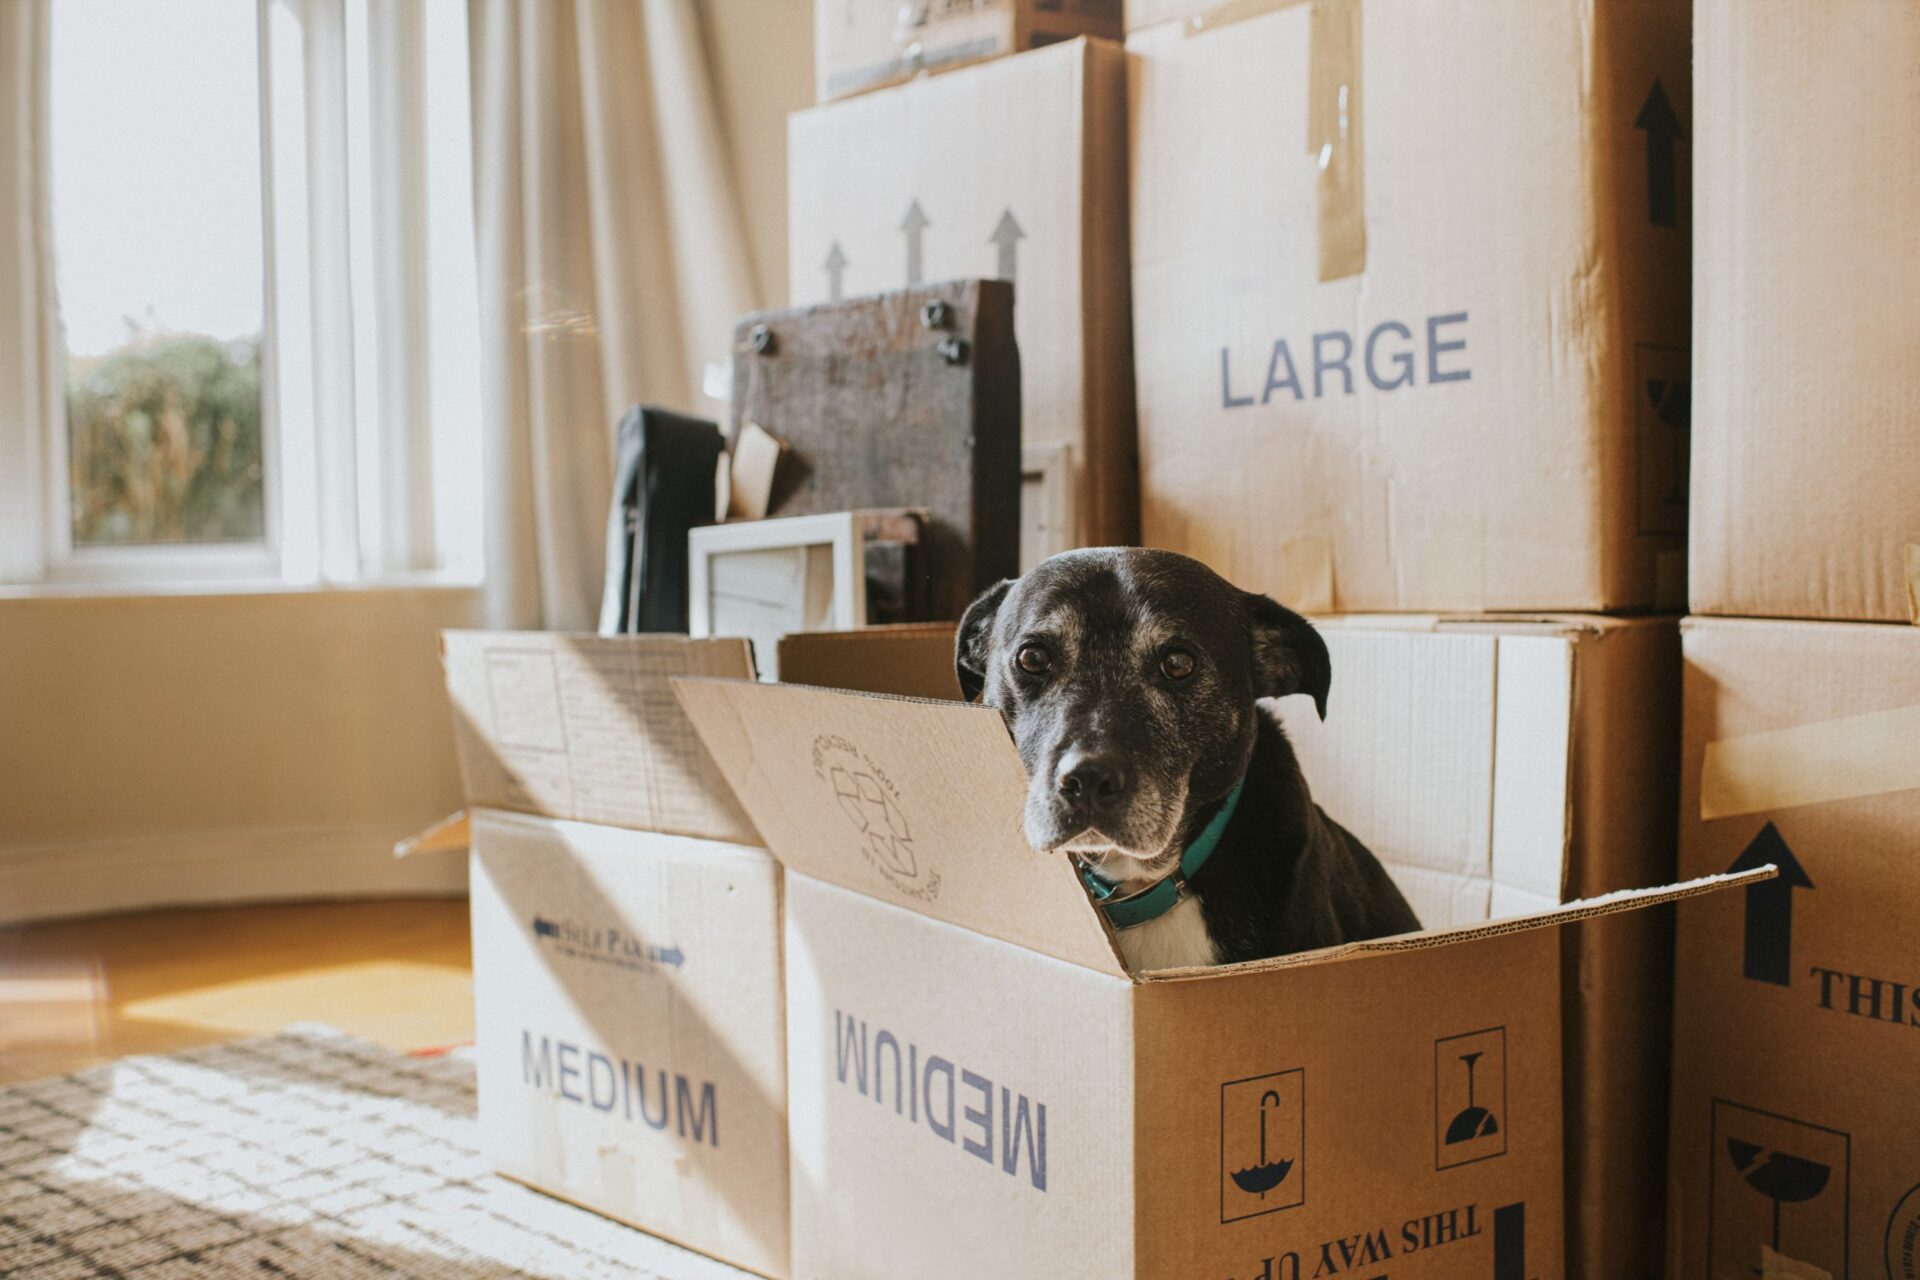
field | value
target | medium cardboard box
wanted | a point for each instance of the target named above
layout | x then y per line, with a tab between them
1014	170
1499	766
978	1086
629	1018
1797	1012
1806	447
1410	298
864	44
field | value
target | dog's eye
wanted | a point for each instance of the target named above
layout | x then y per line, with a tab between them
1177	665
1033	659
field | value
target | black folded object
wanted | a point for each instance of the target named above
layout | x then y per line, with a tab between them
663	486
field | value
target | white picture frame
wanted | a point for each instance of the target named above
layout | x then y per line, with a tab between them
764	579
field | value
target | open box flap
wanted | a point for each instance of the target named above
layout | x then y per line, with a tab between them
1568	913
584	727
910	802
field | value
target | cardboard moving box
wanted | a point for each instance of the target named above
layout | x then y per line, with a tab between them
1502	766
629	1018
1806	455
863	44
1797	1013
978	1087
1410	298
1015	170
1497	766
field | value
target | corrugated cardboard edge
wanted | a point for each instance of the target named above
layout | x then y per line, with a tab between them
1845	758
452	834
1568	913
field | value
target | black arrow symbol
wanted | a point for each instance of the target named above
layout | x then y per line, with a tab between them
1770	907
1006	234
1661	126
1510	1242
914	224
836	267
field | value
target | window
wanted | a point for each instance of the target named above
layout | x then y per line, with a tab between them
265	334
158	241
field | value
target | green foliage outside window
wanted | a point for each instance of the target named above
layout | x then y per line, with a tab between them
165	442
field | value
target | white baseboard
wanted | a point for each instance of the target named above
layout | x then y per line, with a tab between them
83	878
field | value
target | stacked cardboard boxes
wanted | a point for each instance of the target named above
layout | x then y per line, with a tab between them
1796	1027
629	1026
1411	305
1016	170
979	1086
1410	300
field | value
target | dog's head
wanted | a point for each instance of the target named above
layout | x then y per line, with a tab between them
1129	678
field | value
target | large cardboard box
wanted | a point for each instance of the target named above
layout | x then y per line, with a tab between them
1806	447
864	44
629	1024
1410	298
1797	1014
1014	170
979	1087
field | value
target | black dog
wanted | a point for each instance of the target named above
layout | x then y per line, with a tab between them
1131	679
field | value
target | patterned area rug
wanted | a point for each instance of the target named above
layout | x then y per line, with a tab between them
306	1154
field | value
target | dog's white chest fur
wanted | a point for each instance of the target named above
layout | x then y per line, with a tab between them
1171	941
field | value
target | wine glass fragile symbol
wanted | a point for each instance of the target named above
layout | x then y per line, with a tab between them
1474	1121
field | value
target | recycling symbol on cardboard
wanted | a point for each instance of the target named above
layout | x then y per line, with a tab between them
877	818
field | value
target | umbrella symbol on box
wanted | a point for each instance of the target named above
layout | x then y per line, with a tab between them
1781	1178
1264	1175
1474	1120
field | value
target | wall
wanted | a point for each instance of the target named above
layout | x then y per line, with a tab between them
175	748
761	55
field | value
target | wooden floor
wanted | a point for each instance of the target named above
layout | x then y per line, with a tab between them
77	993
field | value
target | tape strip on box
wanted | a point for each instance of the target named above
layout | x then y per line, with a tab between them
1841	759
1333	121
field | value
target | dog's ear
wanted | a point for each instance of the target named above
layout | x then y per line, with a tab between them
1288	654
973	643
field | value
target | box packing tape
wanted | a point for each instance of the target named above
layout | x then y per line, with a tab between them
1846	758
1913	583
1333	121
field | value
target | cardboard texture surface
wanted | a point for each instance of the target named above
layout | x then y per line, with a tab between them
1016	171
1500	766
1806	455
887	797
1796	1020
863	44
582	727
629	1033
975	944
913	660
1339	403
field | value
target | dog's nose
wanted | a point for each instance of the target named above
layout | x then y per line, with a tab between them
1090	783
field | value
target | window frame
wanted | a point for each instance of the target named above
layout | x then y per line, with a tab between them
347	501
174	563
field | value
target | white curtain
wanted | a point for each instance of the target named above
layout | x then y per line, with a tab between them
28	344
613	259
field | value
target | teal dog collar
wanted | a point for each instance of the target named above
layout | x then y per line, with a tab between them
1163	895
